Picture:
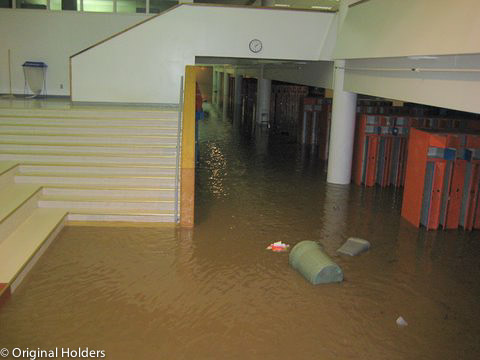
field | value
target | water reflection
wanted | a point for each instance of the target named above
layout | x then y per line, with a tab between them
335	216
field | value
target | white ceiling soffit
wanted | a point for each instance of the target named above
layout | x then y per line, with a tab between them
294	4
206	60
226	2
308	4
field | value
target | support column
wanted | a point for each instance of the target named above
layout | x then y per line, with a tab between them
238	98
214	86
342	131
220	88
226	90
264	90
268	3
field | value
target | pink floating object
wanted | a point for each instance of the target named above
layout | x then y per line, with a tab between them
278	247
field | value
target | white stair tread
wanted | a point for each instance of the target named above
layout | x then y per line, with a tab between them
138	170
121	212
34	133
94	165
114	160
105	199
83	126
95	131
101	176
103	145
14	195
89	114
104	187
56	153
21	245
52	106
75	115
6	165
54	121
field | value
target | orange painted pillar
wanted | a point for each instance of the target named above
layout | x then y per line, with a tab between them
187	184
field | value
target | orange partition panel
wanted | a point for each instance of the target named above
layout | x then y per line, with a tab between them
456	193
472	204
372	153
415	176
436	196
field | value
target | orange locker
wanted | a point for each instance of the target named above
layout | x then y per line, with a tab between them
452	219
470	203
380	150
442	180
435	193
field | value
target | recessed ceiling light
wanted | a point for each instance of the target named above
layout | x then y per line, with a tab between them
425	57
322	7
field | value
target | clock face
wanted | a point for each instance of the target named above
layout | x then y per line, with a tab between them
255	46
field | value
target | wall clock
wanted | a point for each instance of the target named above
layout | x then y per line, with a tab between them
255	46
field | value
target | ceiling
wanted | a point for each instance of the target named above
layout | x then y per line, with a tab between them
294	4
226	2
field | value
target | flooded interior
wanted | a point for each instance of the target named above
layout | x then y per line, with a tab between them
215	292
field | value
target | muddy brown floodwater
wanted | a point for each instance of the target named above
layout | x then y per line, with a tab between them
216	293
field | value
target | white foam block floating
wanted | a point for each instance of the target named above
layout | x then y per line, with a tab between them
354	246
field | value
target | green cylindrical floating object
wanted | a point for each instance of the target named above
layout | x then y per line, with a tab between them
308	258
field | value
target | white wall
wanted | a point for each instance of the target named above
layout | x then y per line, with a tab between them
145	64
318	74
391	28
448	81
52	37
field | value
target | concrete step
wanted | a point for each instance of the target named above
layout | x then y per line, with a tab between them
90	122
6	166
80	215
92	203
13	196
95	179
93	113
78	130
17	203
99	158
147	170
33	138
90	149
111	192
8	169
23	247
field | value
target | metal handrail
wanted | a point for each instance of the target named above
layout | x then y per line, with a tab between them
179	137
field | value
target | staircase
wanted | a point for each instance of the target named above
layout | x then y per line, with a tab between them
79	165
